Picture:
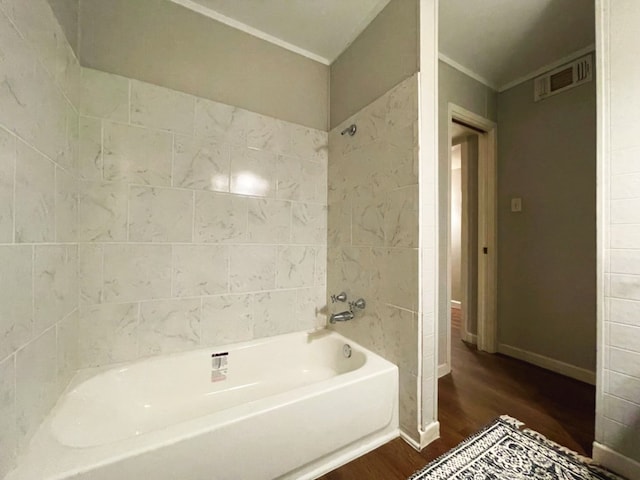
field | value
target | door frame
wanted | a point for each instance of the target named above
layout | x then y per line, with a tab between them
487	233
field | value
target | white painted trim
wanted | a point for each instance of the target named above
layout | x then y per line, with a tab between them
469	337
444	369
547	68
456	304
603	161
429	434
467	71
548	363
407	438
616	462
427	226
208	12
487	228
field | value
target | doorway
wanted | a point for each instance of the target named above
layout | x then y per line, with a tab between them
471	246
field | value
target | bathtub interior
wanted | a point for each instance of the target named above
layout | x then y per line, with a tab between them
145	396
350	408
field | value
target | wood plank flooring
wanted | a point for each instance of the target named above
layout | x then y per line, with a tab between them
480	388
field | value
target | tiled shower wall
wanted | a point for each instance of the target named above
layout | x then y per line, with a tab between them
373	232
199	223
618	401
39	81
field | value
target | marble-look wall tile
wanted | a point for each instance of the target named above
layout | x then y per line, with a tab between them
136	155
220	218
8	434
90	149
35	196
200	270
320	275
309	224
367	227
104	95
68	349
401	218
108	334
227	319
7	173
373	232
37	25
66	210
201	164
275	313
55	284
268	133
168	326
220	122
252	268
295	267
36	384
16	298
350	269
160	215
311	308
301	180
102	212
253	172
90	273
136	272
161	108
408	386
269	221
339	223
310	144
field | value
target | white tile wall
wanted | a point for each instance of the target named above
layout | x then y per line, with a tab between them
618	415
373	232
200	223
39	143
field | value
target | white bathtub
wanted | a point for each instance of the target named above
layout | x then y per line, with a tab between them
291	407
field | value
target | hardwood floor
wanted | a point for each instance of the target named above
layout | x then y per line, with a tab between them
480	388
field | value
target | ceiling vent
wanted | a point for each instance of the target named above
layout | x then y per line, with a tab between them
563	78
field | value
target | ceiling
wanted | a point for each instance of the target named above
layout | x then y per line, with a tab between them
501	42
498	42
318	29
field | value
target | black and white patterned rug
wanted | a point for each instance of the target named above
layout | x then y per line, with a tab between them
504	451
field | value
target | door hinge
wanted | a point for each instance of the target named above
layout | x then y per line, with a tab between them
485	250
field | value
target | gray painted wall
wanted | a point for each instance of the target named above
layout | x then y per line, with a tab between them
159	42
385	54
458	88
546	253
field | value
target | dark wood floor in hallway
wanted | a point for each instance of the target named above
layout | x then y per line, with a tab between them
480	388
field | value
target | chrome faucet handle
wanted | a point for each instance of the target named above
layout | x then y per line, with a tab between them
341	297
360	304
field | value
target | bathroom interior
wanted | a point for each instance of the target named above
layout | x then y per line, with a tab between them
179	176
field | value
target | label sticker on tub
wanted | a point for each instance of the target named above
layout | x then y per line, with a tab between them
219	366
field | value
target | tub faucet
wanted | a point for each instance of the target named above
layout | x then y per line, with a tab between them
341	317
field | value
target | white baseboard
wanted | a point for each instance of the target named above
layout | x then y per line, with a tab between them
469	337
456	304
552	364
616	462
410	440
428	435
443	370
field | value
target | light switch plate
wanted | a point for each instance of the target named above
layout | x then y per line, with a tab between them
516	204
